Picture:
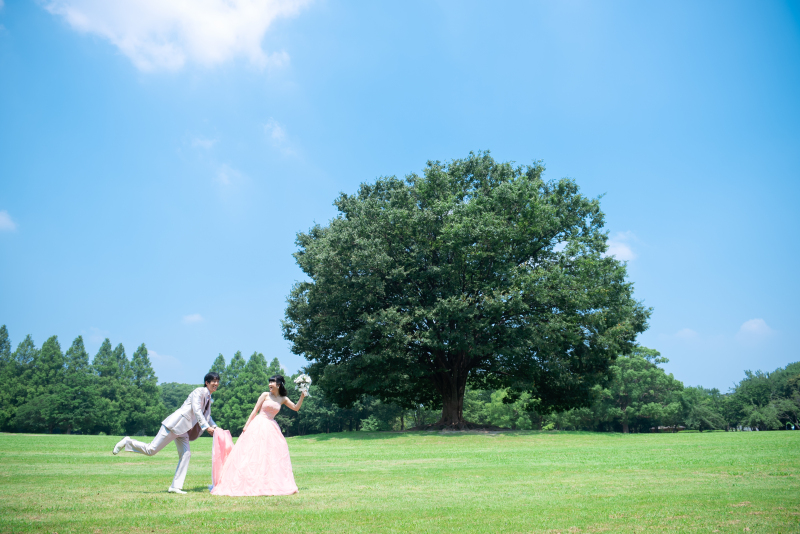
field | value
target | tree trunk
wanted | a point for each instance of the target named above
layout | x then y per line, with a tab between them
624	427
452	385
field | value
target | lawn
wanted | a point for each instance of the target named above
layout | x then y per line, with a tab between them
420	482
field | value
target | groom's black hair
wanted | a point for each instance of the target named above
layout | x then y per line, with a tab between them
211	376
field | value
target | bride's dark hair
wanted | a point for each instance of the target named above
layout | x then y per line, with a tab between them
278	379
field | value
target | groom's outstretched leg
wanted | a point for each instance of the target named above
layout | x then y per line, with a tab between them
161	440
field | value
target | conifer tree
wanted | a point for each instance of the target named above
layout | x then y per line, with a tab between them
80	392
256	378
47	375
9	377
125	399
44	402
25	356
5	346
16	378
219	367
26	352
275	368
110	388
230	417
146	409
219	398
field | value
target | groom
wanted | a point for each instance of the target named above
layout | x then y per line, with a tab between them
183	426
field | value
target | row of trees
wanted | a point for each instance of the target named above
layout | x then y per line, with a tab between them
47	390
640	397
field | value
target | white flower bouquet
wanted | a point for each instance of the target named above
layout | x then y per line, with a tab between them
303	381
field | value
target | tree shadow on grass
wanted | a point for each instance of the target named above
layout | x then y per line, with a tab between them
394	434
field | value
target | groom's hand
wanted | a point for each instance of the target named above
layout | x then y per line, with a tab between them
211	429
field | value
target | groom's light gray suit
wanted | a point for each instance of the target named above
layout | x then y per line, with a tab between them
196	410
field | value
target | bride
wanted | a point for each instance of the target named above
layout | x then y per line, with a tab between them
259	464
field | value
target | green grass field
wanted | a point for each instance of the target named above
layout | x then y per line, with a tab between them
420	482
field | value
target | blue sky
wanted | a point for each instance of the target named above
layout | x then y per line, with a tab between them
156	161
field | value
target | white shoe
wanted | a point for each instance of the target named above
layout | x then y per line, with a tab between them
176	490
121	445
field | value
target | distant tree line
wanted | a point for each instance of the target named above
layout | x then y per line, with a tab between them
642	397
47	390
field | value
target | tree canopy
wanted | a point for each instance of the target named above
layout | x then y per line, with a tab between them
475	273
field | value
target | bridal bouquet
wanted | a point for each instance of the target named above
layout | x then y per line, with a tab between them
303	381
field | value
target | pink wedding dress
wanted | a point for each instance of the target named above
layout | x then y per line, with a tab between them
259	463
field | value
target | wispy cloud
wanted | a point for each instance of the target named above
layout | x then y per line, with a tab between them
164	363
275	131
686	334
7	224
227	175
276	134
96	335
201	142
619	246
193	318
167	34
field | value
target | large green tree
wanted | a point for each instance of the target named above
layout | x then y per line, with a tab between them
476	272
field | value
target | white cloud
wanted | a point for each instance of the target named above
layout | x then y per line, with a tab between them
203	143
166	34
754	329
619	246
227	175
6	223
192	319
686	334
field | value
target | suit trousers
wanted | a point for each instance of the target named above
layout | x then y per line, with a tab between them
162	439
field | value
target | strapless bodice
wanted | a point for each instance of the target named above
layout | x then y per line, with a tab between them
270	408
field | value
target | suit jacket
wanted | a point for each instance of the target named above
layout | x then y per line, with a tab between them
191	413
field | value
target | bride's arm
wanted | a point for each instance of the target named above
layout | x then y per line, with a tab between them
255	410
292	406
